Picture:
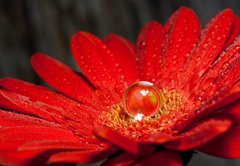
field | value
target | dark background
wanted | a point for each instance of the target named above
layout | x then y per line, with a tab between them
28	26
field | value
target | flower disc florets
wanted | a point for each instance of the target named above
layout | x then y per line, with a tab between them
155	111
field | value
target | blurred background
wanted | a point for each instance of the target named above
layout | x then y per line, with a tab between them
29	26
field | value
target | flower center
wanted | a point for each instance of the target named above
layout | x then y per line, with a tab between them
142	99
146	110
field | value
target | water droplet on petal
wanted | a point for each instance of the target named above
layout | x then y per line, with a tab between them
142	45
142	99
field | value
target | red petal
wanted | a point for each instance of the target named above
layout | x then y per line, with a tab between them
82	120
5	103
124	54
117	139
81	156
94	58
10	146
36	158
56	145
234	31
12	137
124	159
232	112
10	156
13	119
182	31
148	50
222	98
199	135
69	108
210	45
123	142
226	145
159	139
166	158
31	133
230	74
224	72
61	77
25	105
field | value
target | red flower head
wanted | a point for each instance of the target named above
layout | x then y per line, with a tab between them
175	91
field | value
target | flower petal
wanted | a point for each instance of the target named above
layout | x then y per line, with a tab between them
124	53
223	72
56	145
61	77
13	137
209	45
226	145
149	44
234	31
22	129
199	135
181	33
115	138
95	59
222	98
232	112
166	158
230	73
30	106
123	142
82	157
82	122
23	104
124	159
69	108
159	139
9	119
30	133
36	158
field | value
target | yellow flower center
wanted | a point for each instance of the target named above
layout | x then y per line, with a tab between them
145	110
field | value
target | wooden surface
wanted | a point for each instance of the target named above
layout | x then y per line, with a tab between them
28	26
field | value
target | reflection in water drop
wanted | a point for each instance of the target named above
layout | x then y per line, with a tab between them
142	99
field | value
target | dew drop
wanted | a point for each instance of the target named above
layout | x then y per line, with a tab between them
142	45
94	78
142	99
117	65
201	73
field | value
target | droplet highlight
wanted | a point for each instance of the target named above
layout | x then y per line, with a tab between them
141	100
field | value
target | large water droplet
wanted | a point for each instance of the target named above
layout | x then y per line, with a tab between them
142	99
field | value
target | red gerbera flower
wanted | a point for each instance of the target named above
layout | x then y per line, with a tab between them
175	91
